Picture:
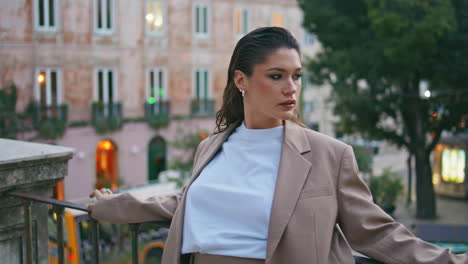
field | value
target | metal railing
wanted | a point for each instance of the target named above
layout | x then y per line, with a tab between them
58	208
202	107
157	114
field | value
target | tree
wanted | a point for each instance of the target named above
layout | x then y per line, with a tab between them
375	55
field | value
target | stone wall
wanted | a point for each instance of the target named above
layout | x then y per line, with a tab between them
34	169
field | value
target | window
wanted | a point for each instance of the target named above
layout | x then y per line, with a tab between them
157	86
201	87
105	91
201	17
48	92
155	17
278	19
309	38
103	16
46	14
241	16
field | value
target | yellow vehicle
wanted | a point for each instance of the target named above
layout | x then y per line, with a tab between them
114	240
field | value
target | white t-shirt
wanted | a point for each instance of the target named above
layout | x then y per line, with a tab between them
228	207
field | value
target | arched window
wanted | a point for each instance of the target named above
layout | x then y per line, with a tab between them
156	157
106	165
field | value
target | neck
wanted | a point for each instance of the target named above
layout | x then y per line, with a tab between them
259	123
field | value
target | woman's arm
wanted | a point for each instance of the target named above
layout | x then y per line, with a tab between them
370	231
126	208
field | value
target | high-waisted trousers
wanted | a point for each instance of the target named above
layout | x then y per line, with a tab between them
197	258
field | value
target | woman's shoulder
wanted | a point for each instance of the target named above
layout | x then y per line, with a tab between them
322	141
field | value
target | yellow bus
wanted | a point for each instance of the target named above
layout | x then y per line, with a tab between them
114	240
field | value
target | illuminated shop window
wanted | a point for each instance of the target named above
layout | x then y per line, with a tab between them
453	165
106	165
155	17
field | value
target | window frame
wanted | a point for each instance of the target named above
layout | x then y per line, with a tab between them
165	96
105	99
156	33
273	18
201	34
207	81
104	30
48	92
46	26
244	10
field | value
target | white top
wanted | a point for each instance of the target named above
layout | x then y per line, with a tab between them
228	207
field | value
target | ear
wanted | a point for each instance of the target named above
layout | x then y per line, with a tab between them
240	80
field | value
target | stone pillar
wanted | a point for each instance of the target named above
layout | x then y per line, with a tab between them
27	168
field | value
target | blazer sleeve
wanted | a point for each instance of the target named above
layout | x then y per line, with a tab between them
126	208
370	231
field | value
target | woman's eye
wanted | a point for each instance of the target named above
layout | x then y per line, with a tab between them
297	76
275	76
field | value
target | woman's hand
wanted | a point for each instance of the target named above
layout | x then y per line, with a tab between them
98	194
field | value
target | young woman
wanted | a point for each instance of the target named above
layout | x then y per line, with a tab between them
264	188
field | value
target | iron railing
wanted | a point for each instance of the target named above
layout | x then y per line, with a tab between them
202	107
157	114
107	116
58	208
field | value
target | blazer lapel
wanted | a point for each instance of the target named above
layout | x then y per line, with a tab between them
292	173
175	237
214	145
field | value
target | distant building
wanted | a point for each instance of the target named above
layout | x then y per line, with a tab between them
114	69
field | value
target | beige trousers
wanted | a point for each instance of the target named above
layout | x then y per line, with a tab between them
218	259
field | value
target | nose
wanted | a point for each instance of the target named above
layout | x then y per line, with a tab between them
290	88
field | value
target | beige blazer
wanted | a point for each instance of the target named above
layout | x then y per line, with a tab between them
321	209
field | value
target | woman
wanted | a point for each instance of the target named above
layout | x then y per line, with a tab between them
264	188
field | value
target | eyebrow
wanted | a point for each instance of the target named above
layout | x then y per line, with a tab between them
280	69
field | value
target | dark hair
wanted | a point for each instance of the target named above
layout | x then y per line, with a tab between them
252	49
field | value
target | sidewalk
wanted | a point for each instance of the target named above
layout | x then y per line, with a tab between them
449	212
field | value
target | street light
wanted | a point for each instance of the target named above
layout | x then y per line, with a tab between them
424	91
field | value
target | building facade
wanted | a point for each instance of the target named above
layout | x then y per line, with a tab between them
129	77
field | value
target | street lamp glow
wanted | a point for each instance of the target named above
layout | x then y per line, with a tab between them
427	93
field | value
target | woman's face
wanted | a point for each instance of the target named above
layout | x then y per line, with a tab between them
271	93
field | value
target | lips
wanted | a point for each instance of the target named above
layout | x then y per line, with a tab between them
288	103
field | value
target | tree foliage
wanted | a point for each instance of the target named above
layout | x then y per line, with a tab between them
375	53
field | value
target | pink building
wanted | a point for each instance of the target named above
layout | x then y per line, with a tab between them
110	68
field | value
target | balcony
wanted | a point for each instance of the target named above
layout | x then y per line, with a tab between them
49	121
157	114
107	117
202	107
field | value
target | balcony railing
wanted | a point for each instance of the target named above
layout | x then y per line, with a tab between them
107	116
50	121
202	107
58	208
158	114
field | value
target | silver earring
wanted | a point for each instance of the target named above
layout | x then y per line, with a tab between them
242	92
